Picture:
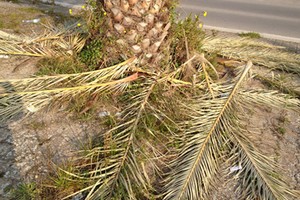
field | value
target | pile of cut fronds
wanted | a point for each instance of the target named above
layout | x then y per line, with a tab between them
175	130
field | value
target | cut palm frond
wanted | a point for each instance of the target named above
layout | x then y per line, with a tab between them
280	85
198	162
260	53
54	42
270	98
33	94
10	37
118	169
68	80
213	130
258	177
31	101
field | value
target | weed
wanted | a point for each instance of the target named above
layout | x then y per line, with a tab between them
10	21
110	121
64	183
65	65
36	125
30	10
283	118
214	32
13	1
252	35
83	107
92	54
186	30
282	121
281	130
25	191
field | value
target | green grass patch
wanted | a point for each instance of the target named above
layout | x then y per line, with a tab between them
25	191
30	10
10	21
252	35
63	65
187	30
13	1
13	20
281	130
92	53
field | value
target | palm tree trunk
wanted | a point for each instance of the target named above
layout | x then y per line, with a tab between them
138	27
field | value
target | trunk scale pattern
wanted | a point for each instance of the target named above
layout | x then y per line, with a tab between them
140	27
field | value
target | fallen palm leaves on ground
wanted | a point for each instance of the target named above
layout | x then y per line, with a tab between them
173	133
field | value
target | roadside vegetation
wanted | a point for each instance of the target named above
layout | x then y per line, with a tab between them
170	126
252	35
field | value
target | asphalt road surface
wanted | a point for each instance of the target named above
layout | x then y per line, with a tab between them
276	17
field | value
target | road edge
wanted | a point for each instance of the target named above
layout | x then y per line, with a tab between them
263	35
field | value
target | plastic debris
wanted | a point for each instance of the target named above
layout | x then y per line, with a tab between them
104	114
32	21
4	56
31	108
235	168
79	196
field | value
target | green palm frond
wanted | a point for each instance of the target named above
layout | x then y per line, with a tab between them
260	53
33	94
198	163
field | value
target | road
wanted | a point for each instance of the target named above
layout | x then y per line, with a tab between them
276	17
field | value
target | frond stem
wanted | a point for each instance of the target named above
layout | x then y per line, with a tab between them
130	140
210	133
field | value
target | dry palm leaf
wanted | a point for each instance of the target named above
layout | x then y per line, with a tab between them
211	131
260	53
120	169
198	162
33	94
54	42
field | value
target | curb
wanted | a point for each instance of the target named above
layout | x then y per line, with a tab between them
263	35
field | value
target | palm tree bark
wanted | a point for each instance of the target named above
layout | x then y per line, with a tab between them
138	28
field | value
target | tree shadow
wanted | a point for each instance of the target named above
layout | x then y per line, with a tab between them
9	173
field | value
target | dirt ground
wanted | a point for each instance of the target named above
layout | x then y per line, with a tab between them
27	144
